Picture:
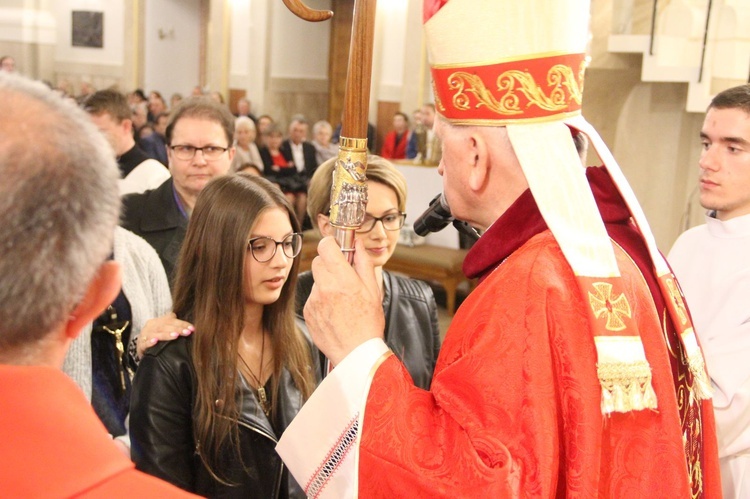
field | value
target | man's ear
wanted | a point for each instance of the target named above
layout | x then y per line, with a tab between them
127	126
324	225
102	291
479	162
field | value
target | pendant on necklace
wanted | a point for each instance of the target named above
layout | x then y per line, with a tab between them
263	399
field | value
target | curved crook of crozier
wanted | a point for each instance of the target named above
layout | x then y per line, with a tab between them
302	11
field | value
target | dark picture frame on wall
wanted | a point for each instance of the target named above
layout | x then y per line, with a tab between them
87	29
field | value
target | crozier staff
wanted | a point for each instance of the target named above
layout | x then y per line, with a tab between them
349	190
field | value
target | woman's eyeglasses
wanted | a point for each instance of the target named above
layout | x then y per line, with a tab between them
264	248
390	221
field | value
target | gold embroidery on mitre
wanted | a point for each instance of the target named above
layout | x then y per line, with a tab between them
562	83
602	304
676	297
438	102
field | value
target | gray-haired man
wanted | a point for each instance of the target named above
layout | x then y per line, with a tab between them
59	204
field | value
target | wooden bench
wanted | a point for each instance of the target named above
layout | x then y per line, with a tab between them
426	262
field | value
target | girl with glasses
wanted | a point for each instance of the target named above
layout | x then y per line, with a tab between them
409	305
208	409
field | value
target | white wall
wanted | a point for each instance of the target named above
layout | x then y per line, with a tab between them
299	49
29	35
171	63
391	26
27	25
248	46
424	183
112	53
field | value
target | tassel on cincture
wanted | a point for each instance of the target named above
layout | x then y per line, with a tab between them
608	405
702	384
649	396
619	396
636	395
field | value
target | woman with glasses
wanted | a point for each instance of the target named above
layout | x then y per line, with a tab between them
411	329
208	409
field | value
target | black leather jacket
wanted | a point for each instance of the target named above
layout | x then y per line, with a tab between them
411	324
161	431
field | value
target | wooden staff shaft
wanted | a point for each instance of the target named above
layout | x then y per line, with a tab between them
359	75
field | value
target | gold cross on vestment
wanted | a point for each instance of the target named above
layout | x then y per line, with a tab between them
602	304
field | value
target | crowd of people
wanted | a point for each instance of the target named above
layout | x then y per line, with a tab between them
207	241
151	295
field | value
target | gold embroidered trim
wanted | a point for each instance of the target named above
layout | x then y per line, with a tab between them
602	304
561	81
697	366
510	121
676	297
502	60
626	386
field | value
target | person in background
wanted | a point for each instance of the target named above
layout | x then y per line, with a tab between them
199	141
262	125
7	64
278	167
156	105
412	326
235	282
217	96
394	143
246	151
137	96
155	146
424	145
244	109
324	149
297	147
711	261
98	359
110	112
416	116
250	169
175	100
144	132
59	209
86	88
139	115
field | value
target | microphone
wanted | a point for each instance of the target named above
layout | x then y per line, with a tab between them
435	218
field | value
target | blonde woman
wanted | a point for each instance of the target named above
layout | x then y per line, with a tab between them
410	310
245	149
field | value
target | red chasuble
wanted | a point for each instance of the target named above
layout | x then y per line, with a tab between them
515	403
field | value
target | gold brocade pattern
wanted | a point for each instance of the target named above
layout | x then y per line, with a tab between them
602	304
689	410
520	90
438	102
675	296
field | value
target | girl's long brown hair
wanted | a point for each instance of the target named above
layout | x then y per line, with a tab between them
208	292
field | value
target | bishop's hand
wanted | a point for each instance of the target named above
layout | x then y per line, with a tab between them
345	306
